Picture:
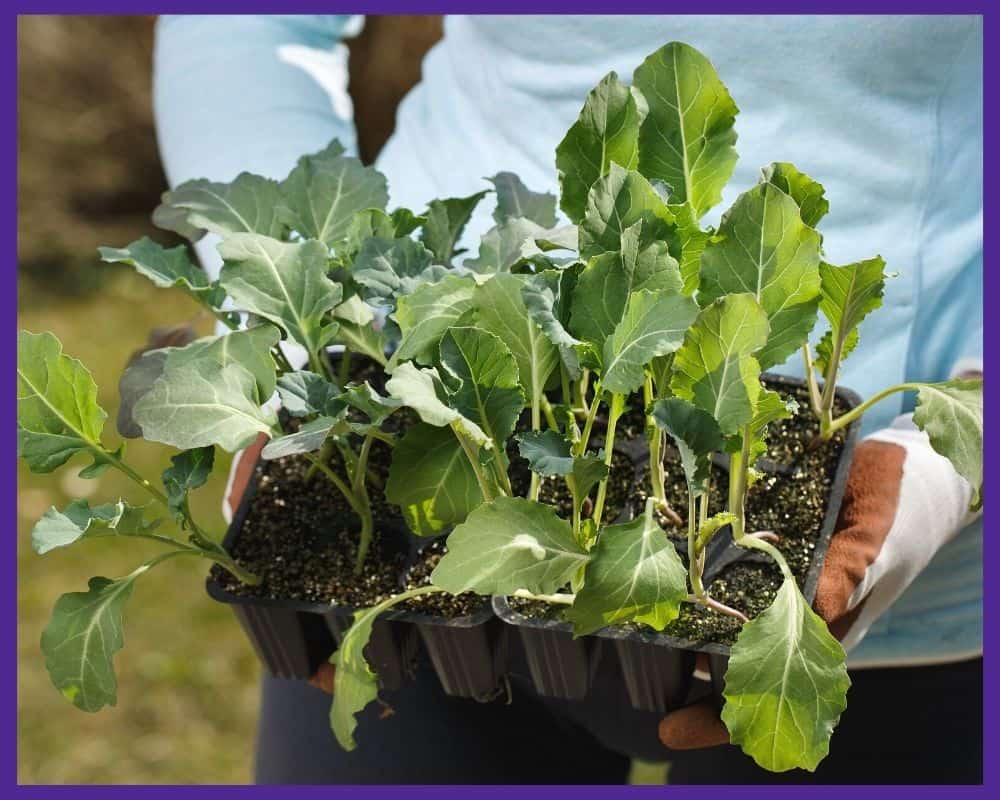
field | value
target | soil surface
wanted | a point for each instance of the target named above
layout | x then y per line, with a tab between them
439	603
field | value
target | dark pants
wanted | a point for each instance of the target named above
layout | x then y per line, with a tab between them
915	725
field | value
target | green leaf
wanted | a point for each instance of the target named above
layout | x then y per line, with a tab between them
307	439
606	132
848	294
166	268
547	297
687	138
500	310
514	199
387	268
696	435
807	193
304	393
618	201
506	245
82	638
446	219
605	284
654	324
482	374
423	391
763	247
714	368
248	204
61	528
693	241
550	453
57	411
634	575
951	414
506	545
283	282
424	316
325	190
431	480
362	397
786	685
189	470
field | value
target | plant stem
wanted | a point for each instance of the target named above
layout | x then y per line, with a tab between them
472	454
738	467
536	424
694	563
846	419
336	480
581	445
810	370
564	381
360	490
560	598
615	411
771	550
715	605
344	371
550	417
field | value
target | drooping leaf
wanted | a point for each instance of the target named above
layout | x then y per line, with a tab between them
387	268
304	393
547	297
423	391
951	414
514	199
283	282
500	310
618	201
654	324
424	316
446	219
324	191
714	368
431	480
807	193
248	204
57	411
81	639
307	439
606	132
696	435
786	685
165	267
634	575
482	374
687	137
848	294
550	453
508	544
189	470
765	248
61	528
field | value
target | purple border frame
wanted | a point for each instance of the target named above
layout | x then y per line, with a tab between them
8	664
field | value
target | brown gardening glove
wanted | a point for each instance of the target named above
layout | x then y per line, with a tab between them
239	478
866	517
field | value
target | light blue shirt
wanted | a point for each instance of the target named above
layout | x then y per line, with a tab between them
886	112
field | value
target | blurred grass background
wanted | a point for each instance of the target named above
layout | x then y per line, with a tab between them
89	175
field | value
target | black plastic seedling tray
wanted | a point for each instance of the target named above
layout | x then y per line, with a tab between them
656	667
293	637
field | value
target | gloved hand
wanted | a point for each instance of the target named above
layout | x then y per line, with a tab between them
902	502
240	473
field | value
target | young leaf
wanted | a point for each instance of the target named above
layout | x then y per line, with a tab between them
500	310
423	391
189	470
786	685
514	199
634	575
951	413
57	411
446	219
61	528
547	296
324	191
307	439
304	393
509	544
693	241
362	397
482	374
687	138
282	282
696	434
424	316
847	295
606	132
387	268
249	204
807	193
654	324
166	268
550	453
764	248
714	368
82	638
505	245
431	480
618	201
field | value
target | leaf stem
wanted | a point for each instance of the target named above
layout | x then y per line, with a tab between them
846	419
694	563
561	598
810	370
344	371
581	445
472	454
616	409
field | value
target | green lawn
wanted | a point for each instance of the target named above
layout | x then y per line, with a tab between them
187	697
